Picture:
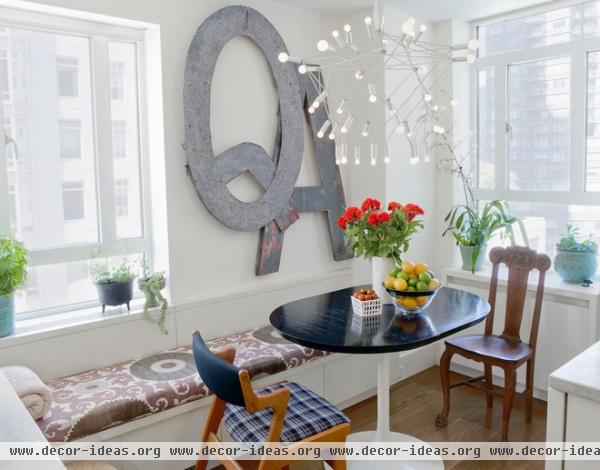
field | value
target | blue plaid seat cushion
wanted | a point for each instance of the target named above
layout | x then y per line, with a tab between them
307	414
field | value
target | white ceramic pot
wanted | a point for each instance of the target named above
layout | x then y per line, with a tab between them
380	268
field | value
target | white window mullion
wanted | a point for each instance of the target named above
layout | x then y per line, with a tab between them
578	120
4	197
104	157
502	136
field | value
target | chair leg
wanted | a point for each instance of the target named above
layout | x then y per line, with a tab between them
529	391
442	418
489	385
510	382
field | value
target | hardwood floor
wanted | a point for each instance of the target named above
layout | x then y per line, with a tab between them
415	403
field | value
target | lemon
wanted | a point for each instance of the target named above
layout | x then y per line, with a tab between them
400	284
422	300
407	267
410	303
421	268
434	284
389	282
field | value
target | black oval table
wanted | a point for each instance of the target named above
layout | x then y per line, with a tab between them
328	323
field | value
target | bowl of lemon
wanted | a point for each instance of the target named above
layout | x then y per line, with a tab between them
413	287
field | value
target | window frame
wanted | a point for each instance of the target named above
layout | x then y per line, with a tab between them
578	51
100	34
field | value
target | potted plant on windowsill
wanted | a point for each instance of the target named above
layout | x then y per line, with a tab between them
13	274
151	284
576	261
114	283
472	229
380	236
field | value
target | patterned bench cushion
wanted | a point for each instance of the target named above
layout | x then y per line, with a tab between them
99	399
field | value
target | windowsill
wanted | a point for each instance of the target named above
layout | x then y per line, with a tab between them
77	320
553	284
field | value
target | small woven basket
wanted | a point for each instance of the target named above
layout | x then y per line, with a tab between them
366	308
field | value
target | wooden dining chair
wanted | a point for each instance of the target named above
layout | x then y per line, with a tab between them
285	412
506	350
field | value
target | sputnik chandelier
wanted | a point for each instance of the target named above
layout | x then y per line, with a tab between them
412	110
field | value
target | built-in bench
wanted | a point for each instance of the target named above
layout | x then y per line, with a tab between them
90	402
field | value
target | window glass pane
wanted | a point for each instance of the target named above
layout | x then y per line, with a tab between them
125	138
593	123
541	29
546	223
539	115
49	116
486	122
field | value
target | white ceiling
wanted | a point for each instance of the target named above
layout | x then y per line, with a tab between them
432	10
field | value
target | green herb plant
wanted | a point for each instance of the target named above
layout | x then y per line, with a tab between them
151	284
14	260
569	242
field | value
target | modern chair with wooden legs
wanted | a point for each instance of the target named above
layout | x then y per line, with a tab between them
285	412
506	350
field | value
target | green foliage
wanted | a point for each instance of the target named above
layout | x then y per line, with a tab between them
13	265
387	240
569	242
102	271
469	227
151	285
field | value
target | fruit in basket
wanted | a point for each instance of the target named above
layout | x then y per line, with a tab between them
412	277
365	294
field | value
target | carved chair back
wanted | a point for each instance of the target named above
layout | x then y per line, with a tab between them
520	261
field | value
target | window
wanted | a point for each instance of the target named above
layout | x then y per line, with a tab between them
67	76
74	176
73	200
122	197
117	76
535	77
69	132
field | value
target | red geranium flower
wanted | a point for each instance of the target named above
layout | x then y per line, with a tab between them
373	219
412	210
353	213
383	217
392	206
370	204
342	223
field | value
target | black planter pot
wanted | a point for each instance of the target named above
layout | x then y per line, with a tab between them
115	293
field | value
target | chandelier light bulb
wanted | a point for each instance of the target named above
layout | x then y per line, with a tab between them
386	153
387	159
454	103
283	57
400	129
470	58
438	129
359	75
427	97
344	159
323	129
368	24
340	108
427	158
408	27
337	161
368	20
336	35
332	135
302	69
473	44
347	124
357	155
435	107
373	161
423	69
365	131
423	28
315	104
347	28
372	93
413	160
311	110
324	46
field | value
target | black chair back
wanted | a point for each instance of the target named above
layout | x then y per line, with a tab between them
218	375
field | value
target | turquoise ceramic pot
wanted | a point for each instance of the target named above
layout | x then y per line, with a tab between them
575	266
7	316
